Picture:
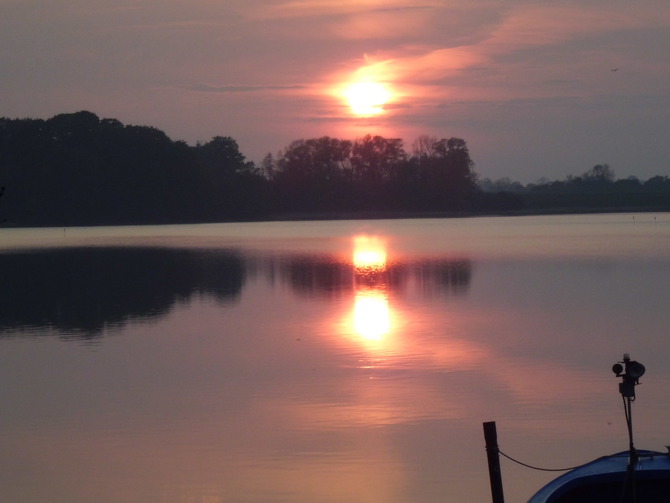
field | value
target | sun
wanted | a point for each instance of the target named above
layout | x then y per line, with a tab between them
367	98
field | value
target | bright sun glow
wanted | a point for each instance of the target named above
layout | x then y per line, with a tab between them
371	309
367	98
371	315
369	253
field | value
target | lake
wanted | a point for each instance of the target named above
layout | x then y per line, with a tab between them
325	362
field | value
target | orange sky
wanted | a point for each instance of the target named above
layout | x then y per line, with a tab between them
530	86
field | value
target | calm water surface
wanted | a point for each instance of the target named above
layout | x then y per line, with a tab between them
324	362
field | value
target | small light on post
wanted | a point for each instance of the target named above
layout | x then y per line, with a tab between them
630	372
635	370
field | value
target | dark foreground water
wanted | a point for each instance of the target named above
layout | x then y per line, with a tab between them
324	362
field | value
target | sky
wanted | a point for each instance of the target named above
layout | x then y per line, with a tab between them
537	89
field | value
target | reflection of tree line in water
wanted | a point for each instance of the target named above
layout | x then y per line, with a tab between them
335	278
83	291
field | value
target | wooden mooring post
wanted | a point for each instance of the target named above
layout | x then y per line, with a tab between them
491	438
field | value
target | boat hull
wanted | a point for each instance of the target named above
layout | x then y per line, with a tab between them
607	479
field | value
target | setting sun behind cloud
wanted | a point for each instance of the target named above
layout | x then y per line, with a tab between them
367	98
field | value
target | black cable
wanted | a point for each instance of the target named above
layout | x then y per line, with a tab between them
537	467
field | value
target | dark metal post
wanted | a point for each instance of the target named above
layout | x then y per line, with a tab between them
632	456
491	437
630	372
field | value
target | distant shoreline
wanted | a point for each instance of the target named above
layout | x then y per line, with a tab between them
400	215
372	215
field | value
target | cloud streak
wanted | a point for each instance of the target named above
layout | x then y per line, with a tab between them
207	88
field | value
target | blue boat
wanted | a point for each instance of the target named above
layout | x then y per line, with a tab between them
610	479
632	476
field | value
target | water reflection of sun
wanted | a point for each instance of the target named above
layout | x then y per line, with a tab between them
369	253
372	317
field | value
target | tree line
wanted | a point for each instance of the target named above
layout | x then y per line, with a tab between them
597	189
79	169
372	173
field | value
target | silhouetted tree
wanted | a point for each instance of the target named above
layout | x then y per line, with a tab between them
221	155
504	184
657	183
600	173
232	187
446	178
374	157
374	161
76	169
313	174
2	191
373	173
